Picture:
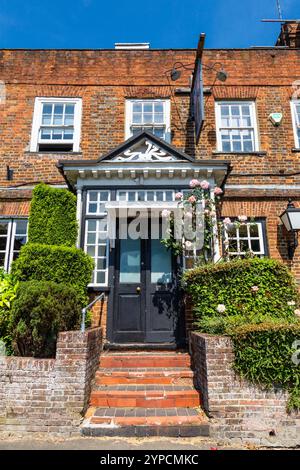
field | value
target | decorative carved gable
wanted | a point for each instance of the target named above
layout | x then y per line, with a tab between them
145	151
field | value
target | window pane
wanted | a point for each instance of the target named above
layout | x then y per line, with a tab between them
158	107
243	231
21	226
92	208
224	111
147	118
100	277
253	230
45	134
137	118
3	241
2	259
148	108
255	246
3	228
130	261
70	109
159	132
47	109
93	195
92	225
102	250
91	250
235	110
137	107
161	263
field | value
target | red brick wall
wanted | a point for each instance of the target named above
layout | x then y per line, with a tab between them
49	395
241	411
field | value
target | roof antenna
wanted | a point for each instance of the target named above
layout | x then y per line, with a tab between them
279	10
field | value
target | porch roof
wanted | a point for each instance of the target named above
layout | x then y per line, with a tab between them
142	156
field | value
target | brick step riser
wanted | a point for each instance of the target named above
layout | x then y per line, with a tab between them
135	363
144	402
109	380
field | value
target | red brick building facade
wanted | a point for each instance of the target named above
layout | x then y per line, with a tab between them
66	117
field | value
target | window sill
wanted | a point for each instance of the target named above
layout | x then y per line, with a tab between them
98	288
296	150
52	152
256	153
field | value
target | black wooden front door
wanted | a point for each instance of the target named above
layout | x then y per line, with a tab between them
146	302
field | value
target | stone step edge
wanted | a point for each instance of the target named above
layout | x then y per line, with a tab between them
100	430
147	420
148	373
144	393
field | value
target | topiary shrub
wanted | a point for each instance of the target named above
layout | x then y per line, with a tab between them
8	288
229	294
40	311
68	265
52	219
269	355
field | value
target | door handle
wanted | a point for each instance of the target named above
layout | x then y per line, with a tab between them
138	289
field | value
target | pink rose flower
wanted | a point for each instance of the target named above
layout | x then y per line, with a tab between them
255	288
227	221
188	245
297	312
178	196
204	184
242	218
165	213
192	199
218	191
194	183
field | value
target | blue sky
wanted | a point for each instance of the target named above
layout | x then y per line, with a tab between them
163	23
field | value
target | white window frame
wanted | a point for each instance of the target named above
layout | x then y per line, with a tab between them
296	122
10	239
253	115
167	116
37	122
97	216
260	237
145	191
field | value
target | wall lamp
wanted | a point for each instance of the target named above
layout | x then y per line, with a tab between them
291	220
176	73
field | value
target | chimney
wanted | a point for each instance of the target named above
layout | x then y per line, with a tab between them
290	34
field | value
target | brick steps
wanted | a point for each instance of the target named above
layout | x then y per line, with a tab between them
159	376
145	360
148	399
145	394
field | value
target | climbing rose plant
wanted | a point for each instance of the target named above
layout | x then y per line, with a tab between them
199	200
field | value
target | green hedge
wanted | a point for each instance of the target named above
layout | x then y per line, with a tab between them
251	290
40	311
263	355
59	264
52	219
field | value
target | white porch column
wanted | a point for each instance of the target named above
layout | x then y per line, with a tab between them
216	245
79	214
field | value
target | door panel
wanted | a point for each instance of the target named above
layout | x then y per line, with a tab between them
129	313
129	304
162	305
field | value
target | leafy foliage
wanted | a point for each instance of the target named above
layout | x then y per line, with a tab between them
52	219
8	289
250	291
263	355
198	219
67	265
40	311
254	301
